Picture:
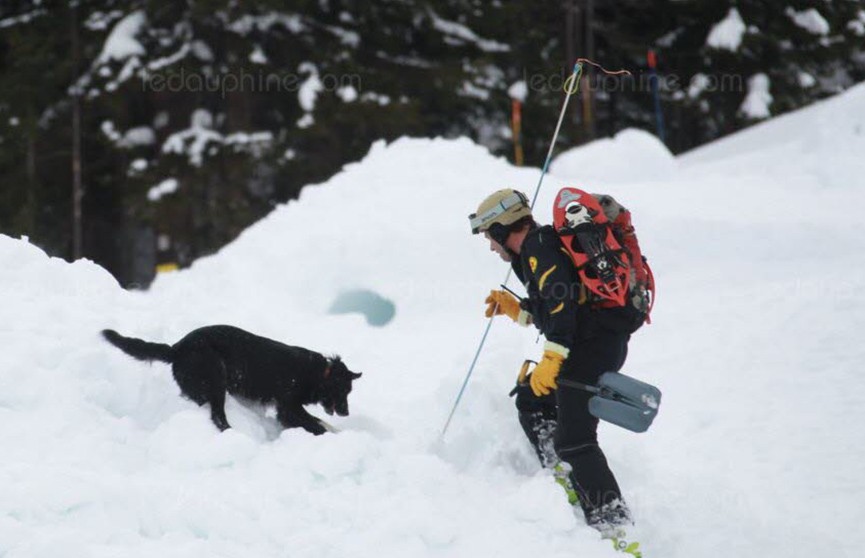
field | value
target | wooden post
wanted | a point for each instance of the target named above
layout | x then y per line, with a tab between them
516	125
30	166
77	188
572	30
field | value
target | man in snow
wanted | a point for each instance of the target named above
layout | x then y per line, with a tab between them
577	347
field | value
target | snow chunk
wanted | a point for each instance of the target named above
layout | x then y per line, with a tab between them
309	89
460	32
668	39
243	138
630	156
806	80
518	91
810	20
160	63
110	131
23	18
305	121
200	138
201	118
257	56
727	34
348	93
698	84
255	143
160	120
857	26
382	100
201	51
263	23
756	103
136	137
193	141
139	165
346	37
469	89
121	43
167	186
403	60
99	21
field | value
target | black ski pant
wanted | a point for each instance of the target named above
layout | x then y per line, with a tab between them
538	417
576	431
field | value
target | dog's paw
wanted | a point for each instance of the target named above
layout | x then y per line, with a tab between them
316	428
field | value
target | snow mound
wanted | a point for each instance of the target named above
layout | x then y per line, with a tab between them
755	343
630	156
821	144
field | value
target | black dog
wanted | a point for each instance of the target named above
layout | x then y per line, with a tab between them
212	360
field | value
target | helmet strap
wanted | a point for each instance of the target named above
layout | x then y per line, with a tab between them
500	233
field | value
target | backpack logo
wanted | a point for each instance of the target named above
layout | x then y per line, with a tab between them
566	196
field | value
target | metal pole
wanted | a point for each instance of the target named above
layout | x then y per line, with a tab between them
571	86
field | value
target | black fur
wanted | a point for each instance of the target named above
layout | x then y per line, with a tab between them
213	360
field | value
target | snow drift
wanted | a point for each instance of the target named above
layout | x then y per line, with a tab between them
755	344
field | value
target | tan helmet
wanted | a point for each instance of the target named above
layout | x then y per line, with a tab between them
504	207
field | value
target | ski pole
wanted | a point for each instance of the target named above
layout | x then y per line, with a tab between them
518	297
570	87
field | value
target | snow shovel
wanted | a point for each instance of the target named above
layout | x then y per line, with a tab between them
621	400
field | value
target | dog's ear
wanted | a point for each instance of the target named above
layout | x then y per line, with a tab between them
355	375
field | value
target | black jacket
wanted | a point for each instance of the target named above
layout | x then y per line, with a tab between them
553	287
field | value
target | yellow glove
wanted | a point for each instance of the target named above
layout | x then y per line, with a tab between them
543	377
502	302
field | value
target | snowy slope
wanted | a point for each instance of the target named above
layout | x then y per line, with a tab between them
756	345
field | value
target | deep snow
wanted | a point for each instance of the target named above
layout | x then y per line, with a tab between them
756	343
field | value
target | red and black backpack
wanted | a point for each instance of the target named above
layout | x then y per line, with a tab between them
596	231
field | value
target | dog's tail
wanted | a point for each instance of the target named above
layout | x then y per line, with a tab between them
138	348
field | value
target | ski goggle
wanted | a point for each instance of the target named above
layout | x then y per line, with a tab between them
483	220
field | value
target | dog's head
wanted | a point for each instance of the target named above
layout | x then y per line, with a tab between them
337	387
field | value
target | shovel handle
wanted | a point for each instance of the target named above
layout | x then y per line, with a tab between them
577	385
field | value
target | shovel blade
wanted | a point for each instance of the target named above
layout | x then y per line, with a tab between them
625	402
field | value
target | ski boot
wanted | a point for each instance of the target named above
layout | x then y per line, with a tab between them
610	520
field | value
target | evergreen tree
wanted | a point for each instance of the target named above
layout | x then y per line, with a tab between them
196	118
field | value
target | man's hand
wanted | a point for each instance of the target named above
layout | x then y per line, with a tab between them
502	302
543	378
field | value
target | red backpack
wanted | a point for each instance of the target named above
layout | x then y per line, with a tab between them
597	233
